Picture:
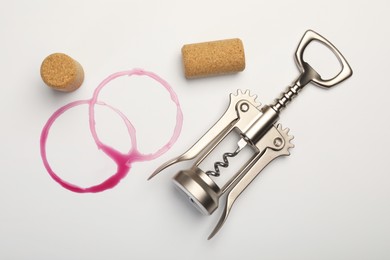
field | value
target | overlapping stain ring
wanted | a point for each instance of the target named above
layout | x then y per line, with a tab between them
123	161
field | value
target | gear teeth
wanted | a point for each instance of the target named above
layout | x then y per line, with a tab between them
245	95
284	132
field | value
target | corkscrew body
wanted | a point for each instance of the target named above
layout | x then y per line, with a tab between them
258	129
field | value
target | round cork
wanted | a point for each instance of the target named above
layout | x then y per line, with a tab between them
61	72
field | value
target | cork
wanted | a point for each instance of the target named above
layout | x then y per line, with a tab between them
61	72
213	58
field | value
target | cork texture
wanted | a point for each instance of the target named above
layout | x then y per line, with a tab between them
213	58
61	72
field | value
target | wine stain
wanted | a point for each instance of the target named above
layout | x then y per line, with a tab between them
123	161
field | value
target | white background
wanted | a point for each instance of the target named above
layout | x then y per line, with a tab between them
329	200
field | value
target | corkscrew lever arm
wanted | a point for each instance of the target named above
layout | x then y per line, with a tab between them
212	137
260	162
275	143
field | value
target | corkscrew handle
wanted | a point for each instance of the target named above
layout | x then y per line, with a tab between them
308	74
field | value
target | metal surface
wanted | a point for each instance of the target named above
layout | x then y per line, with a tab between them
271	150
200	189
257	129
308	74
220	129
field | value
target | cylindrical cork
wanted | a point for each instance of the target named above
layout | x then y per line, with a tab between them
61	72
213	58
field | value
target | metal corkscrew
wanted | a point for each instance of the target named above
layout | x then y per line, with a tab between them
257	128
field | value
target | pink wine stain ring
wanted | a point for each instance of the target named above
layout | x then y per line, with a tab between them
123	161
